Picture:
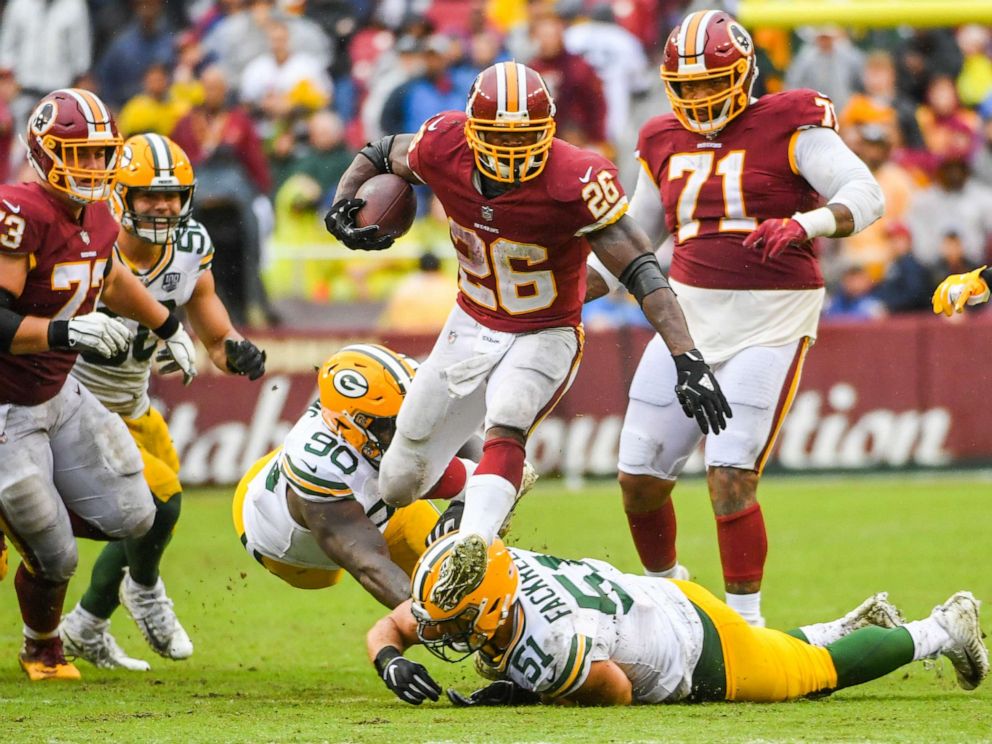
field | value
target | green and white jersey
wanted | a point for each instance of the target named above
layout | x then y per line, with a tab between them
121	382
320	467
572	613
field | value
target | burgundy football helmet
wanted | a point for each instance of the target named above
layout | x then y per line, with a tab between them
709	45
62	131
509	98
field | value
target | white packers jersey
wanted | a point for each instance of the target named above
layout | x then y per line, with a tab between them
121	382
572	613
320	467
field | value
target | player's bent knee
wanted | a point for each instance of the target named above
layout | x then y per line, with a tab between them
57	567
642	493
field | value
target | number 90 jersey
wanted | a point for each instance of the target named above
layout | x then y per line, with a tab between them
522	253
572	613
121	382
320	468
715	190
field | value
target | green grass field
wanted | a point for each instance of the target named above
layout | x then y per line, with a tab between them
277	664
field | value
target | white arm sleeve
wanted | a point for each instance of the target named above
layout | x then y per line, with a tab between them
829	166
646	209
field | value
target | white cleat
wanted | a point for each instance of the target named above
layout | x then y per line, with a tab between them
462	572
152	610
958	616
877	610
90	639
527	481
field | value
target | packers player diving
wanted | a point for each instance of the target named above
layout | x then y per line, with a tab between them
171	254
311	509
549	629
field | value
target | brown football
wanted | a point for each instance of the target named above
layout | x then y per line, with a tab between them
389	203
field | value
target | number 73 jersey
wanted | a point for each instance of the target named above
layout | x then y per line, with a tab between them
572	613
715	190
521	254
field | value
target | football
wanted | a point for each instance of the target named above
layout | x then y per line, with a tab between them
389	203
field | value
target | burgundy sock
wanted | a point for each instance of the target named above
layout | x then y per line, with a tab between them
503	456
743	544
41	600
451	483
654	536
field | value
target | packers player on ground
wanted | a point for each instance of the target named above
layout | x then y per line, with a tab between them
311	510
171	254
550	629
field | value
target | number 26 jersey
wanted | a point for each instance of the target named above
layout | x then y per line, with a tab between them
522	253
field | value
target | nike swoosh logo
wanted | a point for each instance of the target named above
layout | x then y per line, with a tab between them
433	125
587	176
310	467
11	207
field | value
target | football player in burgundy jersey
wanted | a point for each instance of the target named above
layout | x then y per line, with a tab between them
738	184
524	209
69	465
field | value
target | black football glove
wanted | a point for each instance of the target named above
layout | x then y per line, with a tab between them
501	692
409	680
447	522
244	358
340	222
699	393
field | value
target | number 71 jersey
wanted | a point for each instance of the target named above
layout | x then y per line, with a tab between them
715	190
521	254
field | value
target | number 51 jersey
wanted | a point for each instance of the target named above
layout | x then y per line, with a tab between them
572	613
121	382
521	254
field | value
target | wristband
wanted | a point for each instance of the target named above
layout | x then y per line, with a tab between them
385	656
58	335
168	328
817	223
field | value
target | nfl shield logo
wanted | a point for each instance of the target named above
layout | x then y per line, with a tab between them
84	236
170	281
487	214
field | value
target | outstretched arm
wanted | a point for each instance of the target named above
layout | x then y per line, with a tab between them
229	350
605	685
386	642
349	538
617	246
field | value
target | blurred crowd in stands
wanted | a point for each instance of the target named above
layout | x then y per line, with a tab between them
272	98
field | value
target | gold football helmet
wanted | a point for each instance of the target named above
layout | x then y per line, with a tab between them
154	163
361	389
456	633
511	100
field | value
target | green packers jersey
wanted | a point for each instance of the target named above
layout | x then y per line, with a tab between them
121	382
571	613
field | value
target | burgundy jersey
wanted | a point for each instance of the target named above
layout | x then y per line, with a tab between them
66	264
521	254
716	190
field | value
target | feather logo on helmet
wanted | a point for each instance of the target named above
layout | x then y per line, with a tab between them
43	117
350	383
740	38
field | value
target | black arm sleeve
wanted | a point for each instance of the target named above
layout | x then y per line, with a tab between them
643	276
377	153
9	320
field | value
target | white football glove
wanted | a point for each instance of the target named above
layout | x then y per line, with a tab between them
98	332
178	355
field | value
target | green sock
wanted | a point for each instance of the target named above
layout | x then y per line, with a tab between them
870	653
100	598
145	553
140	555
797	633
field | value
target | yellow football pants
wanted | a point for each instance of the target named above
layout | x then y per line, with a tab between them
405	536
151	434
763	665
